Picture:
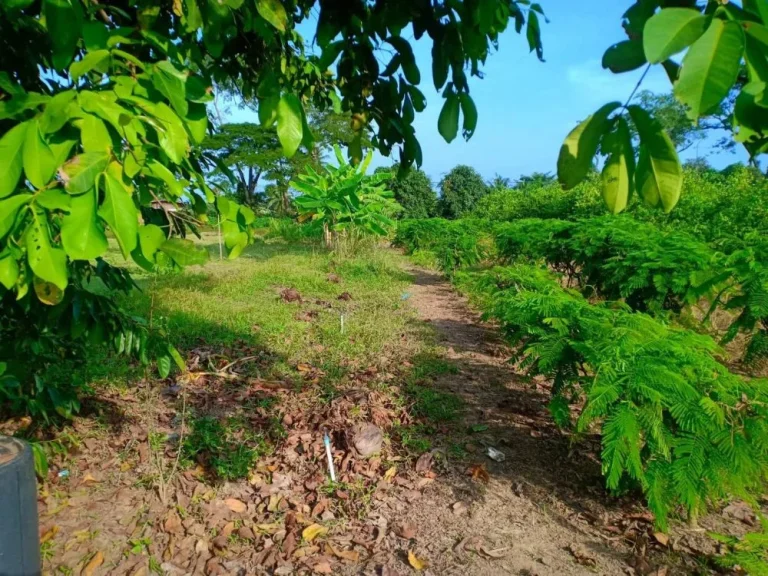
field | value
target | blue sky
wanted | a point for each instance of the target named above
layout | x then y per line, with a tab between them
527	107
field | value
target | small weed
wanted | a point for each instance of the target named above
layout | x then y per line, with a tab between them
478	428
229	449
47	550
415	438
156	441
139	545
456	450
155	566
434	405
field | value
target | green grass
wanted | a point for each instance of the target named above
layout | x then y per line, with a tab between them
227	303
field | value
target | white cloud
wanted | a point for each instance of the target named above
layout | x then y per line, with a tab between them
599	85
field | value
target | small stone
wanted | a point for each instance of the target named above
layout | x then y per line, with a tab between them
368	439
459	508
220	542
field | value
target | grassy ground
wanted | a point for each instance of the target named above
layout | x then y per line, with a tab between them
227	302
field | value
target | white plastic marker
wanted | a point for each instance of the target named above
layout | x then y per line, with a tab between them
342	323
327	442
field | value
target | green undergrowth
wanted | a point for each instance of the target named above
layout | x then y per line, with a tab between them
592	306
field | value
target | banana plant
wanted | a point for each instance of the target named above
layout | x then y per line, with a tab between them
343	197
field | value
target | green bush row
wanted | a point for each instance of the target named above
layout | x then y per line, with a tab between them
674	421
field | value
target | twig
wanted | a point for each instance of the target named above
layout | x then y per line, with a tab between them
637	86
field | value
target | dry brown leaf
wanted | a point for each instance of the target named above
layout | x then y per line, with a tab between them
89	478
351	555
95	562
313	531
389	474
661	538
497	553
417	563
50	533
323	568
582	556
172	523
268	528
406	530
478	472
235	505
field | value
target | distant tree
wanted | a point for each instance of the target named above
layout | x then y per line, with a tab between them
534	179
413	192
499	183
460	190
684	133
251	155
246	151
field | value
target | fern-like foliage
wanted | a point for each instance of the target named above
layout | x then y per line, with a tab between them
749	553
675	422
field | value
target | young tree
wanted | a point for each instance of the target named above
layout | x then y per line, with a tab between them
460	190
414	192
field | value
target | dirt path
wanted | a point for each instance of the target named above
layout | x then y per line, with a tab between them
534	512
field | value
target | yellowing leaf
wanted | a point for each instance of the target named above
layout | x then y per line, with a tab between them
313	531
416	562
96	561
389	474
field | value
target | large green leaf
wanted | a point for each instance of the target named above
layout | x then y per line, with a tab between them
580	147
273	12
104	105
196	122
79	174
54	199
9	270
659	174
624	56
39	160
235	240
120	213
11	162
469	113
63	19
97	60
184	252
172	135
57	112
151	237
9	208
670	31
448	121
94	135
710	68
618	172
290	129
82	236
172	84
159	171
750	113
47	262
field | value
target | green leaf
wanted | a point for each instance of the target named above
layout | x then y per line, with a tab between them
81	234
151	237
184	252
750	113
407	60
39	161
273	12
440	64
469	112
9	208
54	199
235	240
40	459
164	365
670	31
448	121
95	35
171	83
172	136
120	213
94	135
533	34
9	271
624	56
11	162
79	174
47	262
289	123
197	122
659	175
159	171
173	353
97	60
618	172
63	19
710	68
580	147
57	112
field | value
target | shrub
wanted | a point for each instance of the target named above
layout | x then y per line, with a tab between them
460	190
414	193
674	421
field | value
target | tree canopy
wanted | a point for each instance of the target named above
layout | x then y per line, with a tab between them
414	192
460	190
